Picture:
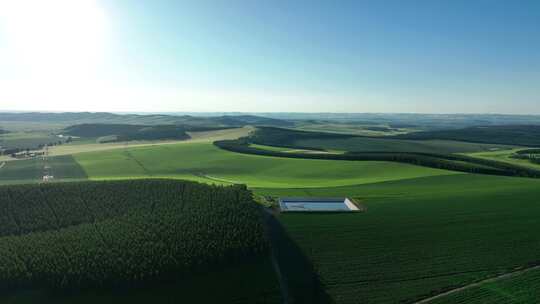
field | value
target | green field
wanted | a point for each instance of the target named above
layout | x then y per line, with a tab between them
505	156
26	140
352	128
291	150
426	230
521	289
343	142
206	162
419	236
90	145
518	134
32	170
365	144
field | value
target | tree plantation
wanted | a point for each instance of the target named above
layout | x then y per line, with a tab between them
129	232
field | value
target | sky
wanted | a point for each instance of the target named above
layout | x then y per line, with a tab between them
416	56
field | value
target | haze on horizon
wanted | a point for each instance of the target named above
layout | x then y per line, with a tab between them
270	56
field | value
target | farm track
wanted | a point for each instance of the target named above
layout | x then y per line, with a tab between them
217	179
478	284
139	163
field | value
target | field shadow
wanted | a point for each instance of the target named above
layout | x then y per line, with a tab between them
298	273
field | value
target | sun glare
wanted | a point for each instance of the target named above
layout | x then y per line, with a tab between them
56	38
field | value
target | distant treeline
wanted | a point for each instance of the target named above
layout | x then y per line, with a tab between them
68	118
453	162
532	155
123	233
280	137
126	132
14	151
521	135
528	152
381	129
2	131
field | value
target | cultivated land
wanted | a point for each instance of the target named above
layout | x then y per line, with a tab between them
519	289
352	128
207	162
426	231
23	140
419	237
365	144
352	143
505	156
63	168
196	137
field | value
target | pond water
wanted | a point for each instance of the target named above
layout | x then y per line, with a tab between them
314	205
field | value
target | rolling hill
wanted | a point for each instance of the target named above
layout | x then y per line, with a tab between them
275	136
124	132
522	135
139	119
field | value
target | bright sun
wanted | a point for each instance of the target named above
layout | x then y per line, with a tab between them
55	38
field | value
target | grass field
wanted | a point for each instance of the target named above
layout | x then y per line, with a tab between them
341	142
521	289
419	236
206	162
290	150
426	230
24	140
196	137
504	156
352	128
364	144
31	170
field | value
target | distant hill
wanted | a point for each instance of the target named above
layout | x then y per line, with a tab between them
253	120
288	137
522	135
154	119
406	120
3	131
125	132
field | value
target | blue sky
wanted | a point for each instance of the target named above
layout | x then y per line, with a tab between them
304	56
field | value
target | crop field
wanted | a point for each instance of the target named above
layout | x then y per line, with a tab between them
343	142
505	156
419	236
206	162
32	170
352	128
521	289
24	140
426	230
90	145
292	150
364	144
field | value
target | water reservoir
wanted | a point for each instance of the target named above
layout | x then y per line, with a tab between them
311	204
